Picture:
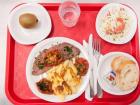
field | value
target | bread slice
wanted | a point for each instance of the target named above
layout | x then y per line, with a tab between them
117	61
128	77
123	64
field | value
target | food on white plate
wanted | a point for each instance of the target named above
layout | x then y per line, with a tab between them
57	69
28	20
124	74
53	56
115	24
62	69
65	78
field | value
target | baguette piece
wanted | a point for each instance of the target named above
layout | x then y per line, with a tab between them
127	74
117	61
128	77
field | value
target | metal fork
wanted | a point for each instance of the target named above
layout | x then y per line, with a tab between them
97	54
97	50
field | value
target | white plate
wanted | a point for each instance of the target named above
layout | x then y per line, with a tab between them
31	79
133	24
34	35
104	68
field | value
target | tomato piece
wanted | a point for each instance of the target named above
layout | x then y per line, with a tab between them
121	25
82	66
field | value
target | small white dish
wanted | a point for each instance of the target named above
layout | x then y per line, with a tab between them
31	79
33	35
132	24
105	67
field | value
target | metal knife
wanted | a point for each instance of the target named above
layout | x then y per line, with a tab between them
94	63
89	93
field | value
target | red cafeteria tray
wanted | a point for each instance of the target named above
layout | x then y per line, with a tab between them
17	89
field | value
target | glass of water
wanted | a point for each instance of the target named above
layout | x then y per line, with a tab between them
69	12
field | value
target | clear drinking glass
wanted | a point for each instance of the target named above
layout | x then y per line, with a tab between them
69	12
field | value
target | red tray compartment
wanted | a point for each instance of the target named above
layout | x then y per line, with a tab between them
17	89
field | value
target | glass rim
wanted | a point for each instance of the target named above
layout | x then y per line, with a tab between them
72	1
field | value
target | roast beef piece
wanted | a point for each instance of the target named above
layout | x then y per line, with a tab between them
37	71
69	51
65	51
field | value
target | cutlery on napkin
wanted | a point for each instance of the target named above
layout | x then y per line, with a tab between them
90	93
93	72
87	92
93	63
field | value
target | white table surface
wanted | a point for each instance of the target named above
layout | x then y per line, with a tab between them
7	5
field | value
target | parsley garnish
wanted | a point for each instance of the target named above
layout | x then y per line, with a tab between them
79	66
41	66
42	86
68	49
